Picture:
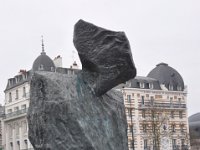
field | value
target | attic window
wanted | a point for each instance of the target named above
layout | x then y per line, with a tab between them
179	88
41	67
141	85
171	87
52	69
151	85
147	85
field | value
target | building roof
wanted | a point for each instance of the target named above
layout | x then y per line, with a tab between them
43	63
148	83
168	76
194	124
194	118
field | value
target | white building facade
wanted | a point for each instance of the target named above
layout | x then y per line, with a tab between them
17	99
14	123
156	109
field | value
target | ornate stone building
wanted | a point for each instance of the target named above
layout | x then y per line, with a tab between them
156	108
17	98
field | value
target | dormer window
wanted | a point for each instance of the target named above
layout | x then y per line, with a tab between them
41	67
151	85
179	88
141	85
138	84
171	87
52	69
147	85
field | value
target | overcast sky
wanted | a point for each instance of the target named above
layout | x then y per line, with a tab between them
158	30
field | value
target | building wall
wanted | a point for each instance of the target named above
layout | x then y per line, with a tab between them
15	126
164	103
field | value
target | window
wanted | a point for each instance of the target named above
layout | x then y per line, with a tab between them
26	144
17	94
41	67
9	111
24	91
182	142
182	128
23	106
164	127
179	101
180	114
11	146
138	84
179	88
17	130
154	144
129	98
141	85
10	97
174	144
10	131
170	87
129	112
151	85
24	127
152	100
171	101
147	85
130	128
154	127
172	114
173	127
16	109
144	128
52	69
145	143
142	100
143	113
153	115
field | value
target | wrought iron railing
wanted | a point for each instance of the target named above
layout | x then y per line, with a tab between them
150	104
16	113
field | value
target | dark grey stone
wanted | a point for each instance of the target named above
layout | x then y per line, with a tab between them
65	115
105	55
80	112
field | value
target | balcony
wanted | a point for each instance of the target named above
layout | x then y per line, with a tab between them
149	104
16	113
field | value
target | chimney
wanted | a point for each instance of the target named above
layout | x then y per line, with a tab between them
58	61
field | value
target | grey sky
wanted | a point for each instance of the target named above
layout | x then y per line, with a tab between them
158	30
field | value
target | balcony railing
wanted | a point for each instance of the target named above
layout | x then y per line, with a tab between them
16	113
149	104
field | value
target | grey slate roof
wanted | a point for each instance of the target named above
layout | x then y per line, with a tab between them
168	76
135	83
194	118
194	124
43	61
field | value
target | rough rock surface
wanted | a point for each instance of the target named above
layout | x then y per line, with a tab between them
80	112
65	115
105	55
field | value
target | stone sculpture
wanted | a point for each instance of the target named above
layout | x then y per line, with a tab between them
83	112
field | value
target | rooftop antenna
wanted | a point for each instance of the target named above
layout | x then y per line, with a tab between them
43	52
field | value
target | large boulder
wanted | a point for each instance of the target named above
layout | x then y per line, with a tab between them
105	55
82	111
65	115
